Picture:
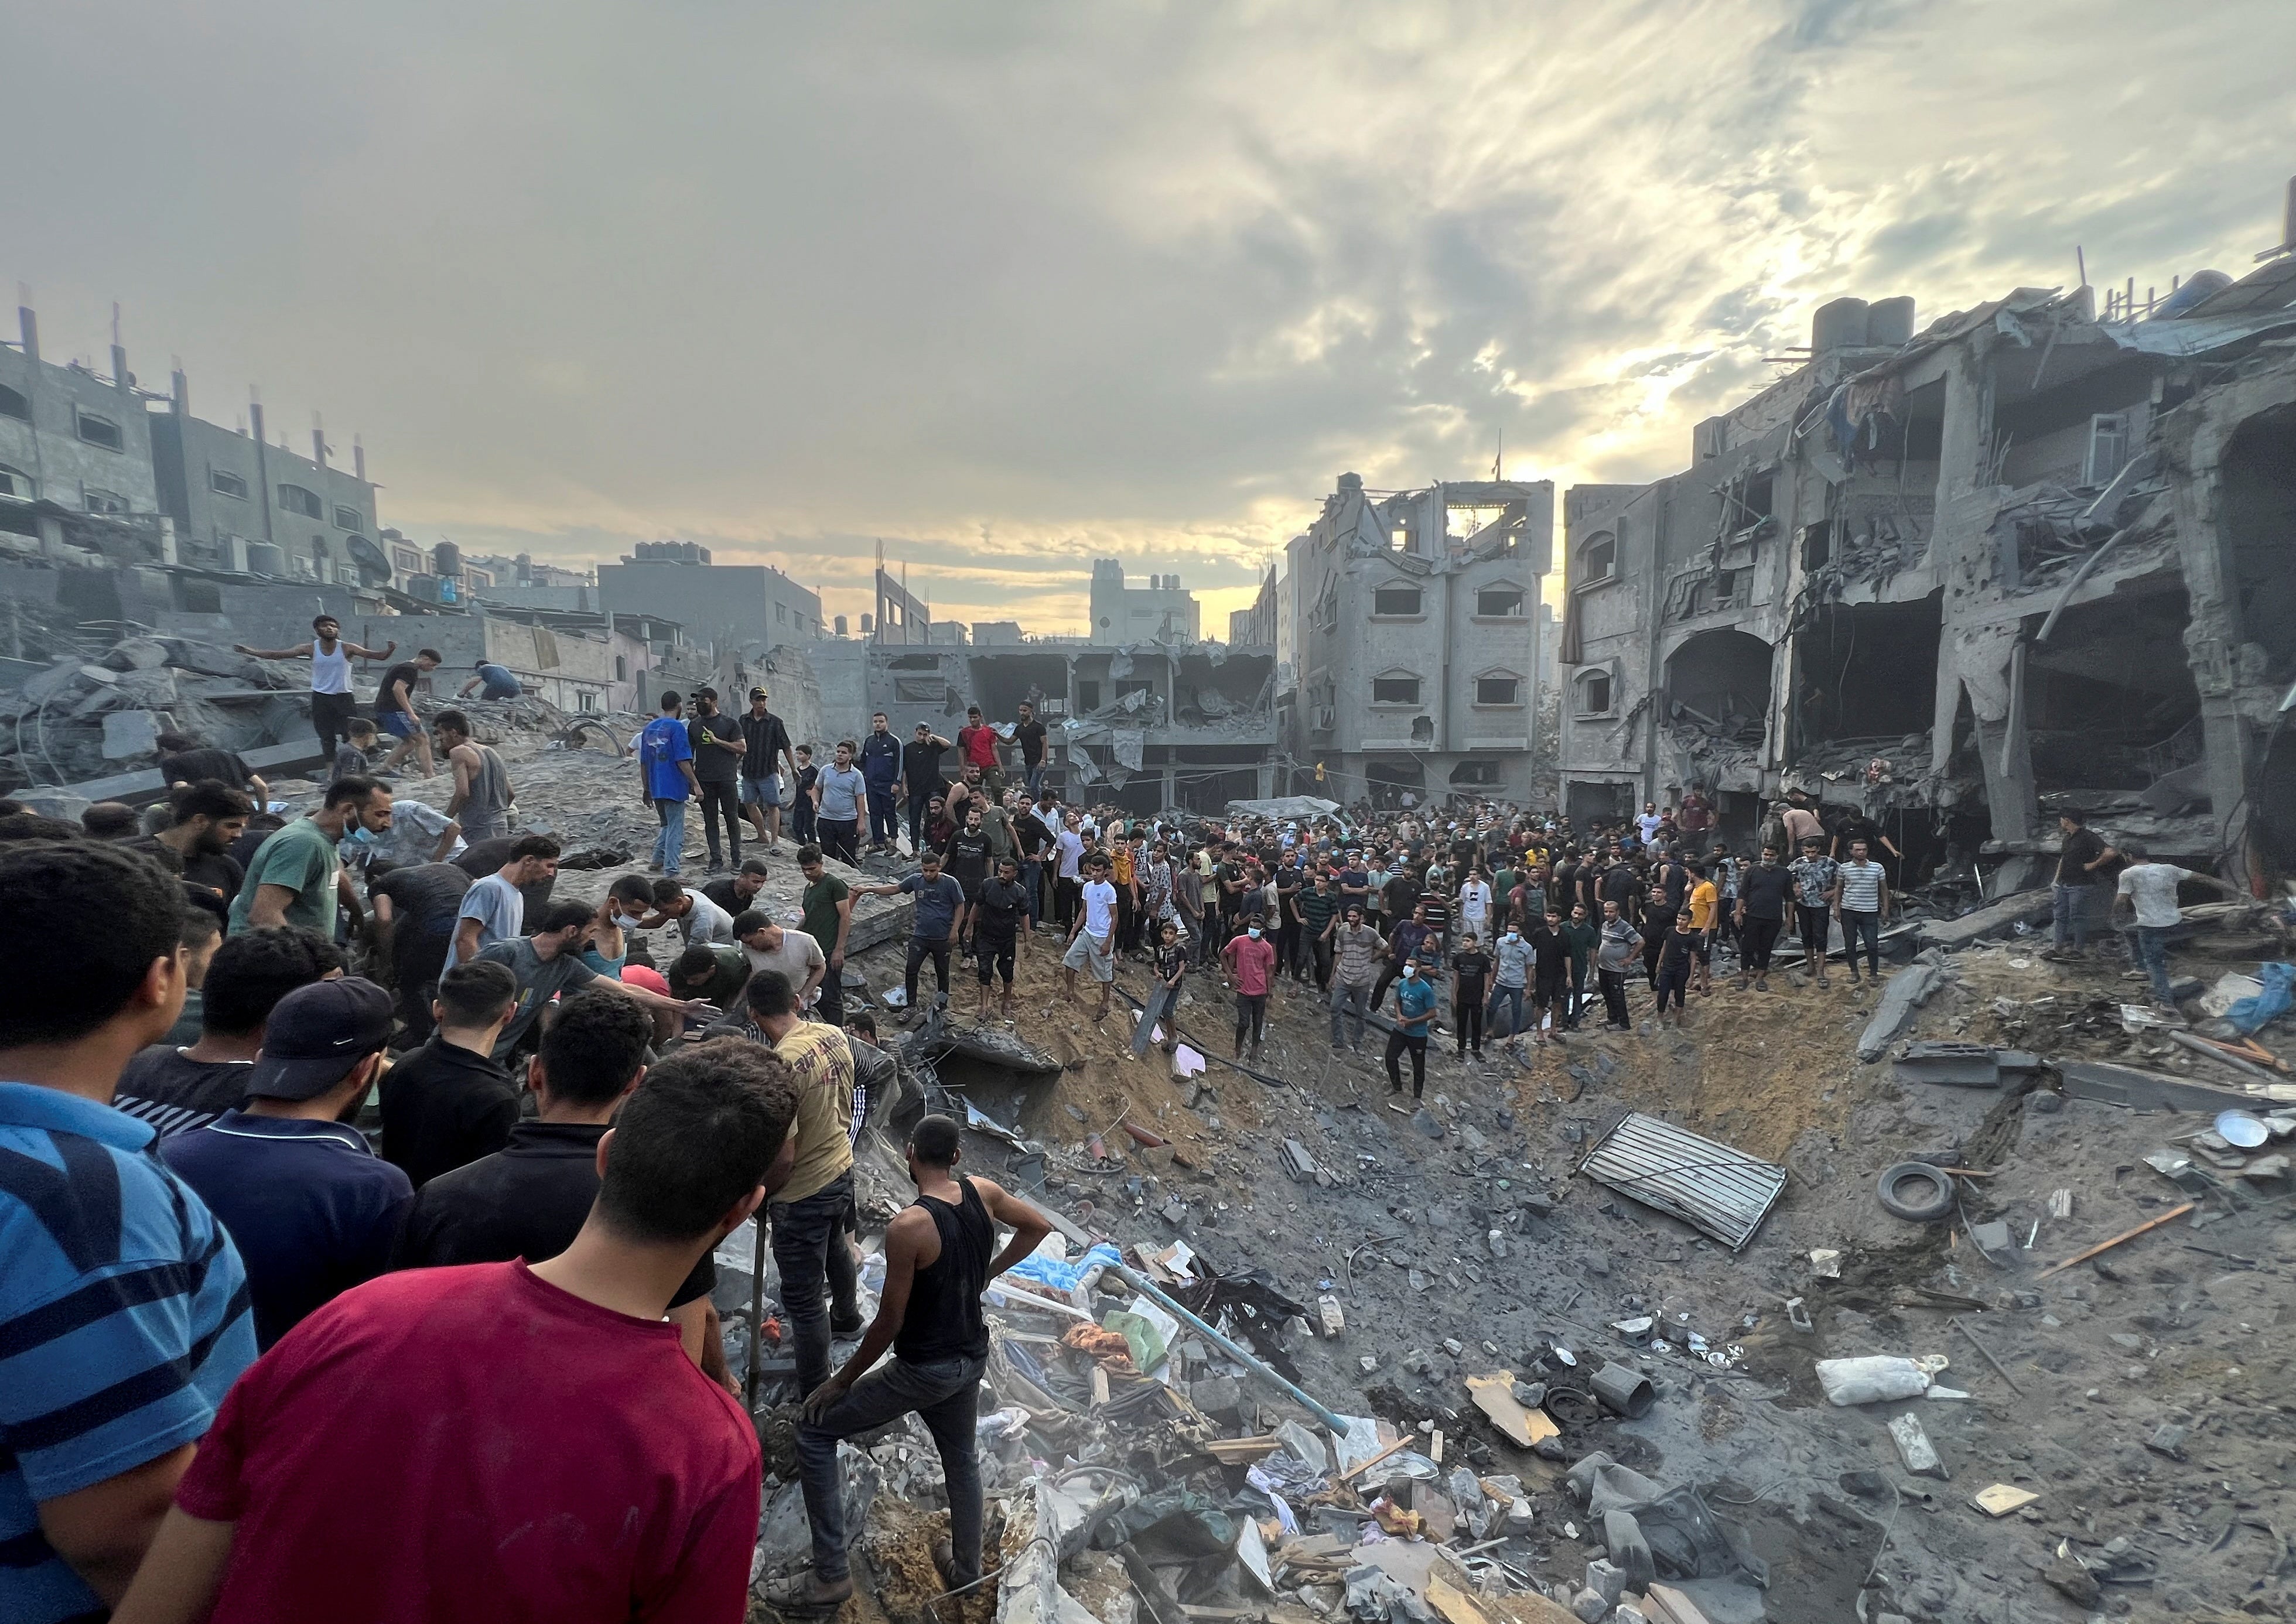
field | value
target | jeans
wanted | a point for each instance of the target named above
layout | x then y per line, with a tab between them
1350	997
1864	929
1614	996
1398	1045
808	1250
884	815
1032	881
804	821
1470	1024
920	804
1320	952
669	845
1287	947
838	836
1673	981
946	1393
1162	1002
2152	953
722	801
1815	926
1251	1013
2072	908
922	947
1512	998
1036	782
415	962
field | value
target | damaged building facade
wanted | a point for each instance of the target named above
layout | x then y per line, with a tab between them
1144	725
1413	642
2027	560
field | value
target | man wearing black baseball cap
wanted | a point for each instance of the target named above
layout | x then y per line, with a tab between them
313	1210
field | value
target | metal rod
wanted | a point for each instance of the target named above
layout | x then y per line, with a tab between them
756	1309
1998	1368
1241	1356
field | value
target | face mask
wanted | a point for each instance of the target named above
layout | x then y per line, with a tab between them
1511	936
363	836
1411	973
1255	933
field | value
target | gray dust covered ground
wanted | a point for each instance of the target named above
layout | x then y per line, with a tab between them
2141	1398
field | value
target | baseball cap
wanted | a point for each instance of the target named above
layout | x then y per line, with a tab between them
756	694
316	1034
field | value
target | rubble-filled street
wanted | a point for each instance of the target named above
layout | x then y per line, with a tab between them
2104	1438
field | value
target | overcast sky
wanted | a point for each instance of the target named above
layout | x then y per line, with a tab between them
1013	286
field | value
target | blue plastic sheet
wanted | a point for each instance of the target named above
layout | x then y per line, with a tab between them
2250	1014
1065	1276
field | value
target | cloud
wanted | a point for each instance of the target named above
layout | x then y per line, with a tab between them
1015	288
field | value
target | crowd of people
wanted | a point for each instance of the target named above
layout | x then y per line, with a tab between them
346	1175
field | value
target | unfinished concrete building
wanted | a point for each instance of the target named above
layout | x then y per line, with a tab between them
1146	727
2025	560
1414	641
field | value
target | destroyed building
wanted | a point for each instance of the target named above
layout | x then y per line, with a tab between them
1146	727
1412	640
2029	559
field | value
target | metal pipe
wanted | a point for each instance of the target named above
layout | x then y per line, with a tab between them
1241	1356
2185	1040
2087	567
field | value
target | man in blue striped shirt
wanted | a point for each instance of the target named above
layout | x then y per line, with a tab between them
1862	900
123	1307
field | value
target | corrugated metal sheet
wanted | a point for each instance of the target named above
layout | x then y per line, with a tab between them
1718	1191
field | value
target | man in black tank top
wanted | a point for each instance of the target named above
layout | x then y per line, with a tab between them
938	1260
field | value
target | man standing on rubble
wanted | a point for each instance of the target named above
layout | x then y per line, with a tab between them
2085	870
938	1262
880	769
331	675
667	782
921	767
1615	953
1357	949
1761	914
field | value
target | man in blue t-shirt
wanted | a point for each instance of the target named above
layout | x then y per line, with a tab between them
1414	1006
938	898
123	1305
666	779
499	682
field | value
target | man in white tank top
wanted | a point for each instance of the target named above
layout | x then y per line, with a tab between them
330	676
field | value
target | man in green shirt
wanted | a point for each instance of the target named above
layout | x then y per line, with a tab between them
1579	938
828	917
296	877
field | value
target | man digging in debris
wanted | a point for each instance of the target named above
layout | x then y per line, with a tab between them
937	1264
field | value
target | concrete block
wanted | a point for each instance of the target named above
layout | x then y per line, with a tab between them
130	733
136	654
1588	1606
1622	1536
1608	1580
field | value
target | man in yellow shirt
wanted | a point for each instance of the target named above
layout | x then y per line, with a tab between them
810	1212
1705	901
1126	880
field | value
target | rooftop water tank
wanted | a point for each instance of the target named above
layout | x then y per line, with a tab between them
1890	322
1839	324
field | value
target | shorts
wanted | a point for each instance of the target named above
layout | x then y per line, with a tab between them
397	724
765	792
1701	947
994	956
1090	952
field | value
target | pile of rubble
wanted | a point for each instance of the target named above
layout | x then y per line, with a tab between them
88	718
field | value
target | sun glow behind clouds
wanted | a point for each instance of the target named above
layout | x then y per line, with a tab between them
1016	288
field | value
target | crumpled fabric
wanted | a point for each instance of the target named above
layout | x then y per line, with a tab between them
1067	1277
1108	1347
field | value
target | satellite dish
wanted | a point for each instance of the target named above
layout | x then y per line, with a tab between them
373	567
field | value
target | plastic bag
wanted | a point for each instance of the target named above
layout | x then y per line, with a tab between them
1878	1376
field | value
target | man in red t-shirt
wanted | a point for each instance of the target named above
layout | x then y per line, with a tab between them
1252	959
502	1440
976	746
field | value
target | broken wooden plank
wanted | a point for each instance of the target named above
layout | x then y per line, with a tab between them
1243	1451
1494	1395
2105	1246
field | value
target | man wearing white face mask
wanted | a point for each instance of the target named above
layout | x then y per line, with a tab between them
1415	1008
1251	960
